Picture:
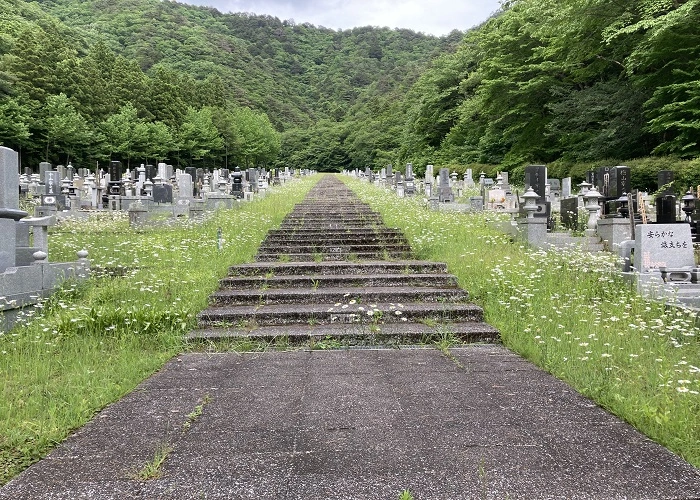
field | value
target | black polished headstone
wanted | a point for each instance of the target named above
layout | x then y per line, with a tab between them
237	183
569	213
162	193
151	172
115	171
536	178
665	209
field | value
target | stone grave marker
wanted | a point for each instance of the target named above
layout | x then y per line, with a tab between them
566	187
554	187
445	194
469	178
162	193
184	183
569	213
52	183
9	207
659	246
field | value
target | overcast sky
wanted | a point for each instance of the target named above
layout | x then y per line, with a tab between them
434	17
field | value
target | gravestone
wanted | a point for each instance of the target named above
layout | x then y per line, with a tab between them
52	183
9	207
162	193
390	175
184	183
592	178
237	184
566	187
410	182
536	178
569	213
665	201
445	194
192	172
554	187
659	246
44	167
468	178
476	203
151	172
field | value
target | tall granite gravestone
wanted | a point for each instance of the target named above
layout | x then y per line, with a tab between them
536	178
445	194
44	167
237	184
115	178
468	178
52	183
566	187
184	184
592	178
390	175
665	201
410	182
9	207
569	213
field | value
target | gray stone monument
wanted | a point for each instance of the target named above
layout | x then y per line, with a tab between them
566	187
445	194
9	207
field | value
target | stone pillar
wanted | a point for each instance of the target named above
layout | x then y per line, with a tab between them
9	207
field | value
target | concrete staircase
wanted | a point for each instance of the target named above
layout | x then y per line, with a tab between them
333	271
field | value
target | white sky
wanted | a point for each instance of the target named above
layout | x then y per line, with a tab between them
434	17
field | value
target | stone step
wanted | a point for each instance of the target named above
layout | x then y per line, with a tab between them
353	333
332	240
315	235
376	267
331	256
339	280
311	232
322	247
282	314
326	226
343	295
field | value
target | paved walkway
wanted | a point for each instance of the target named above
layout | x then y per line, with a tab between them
358	424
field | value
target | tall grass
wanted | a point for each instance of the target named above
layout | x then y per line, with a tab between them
570	313
92	343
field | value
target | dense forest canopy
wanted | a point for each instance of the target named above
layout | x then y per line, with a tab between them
540	81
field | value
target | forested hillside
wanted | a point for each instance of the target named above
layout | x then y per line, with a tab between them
555	81
80	78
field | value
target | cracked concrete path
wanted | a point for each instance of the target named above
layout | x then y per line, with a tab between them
480	422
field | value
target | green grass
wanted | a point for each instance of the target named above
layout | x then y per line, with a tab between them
94	342
571	314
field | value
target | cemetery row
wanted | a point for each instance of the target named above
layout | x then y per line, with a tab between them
653	234
67	188
27	276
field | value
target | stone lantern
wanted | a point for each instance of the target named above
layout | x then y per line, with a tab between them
591	204
689	203
530	206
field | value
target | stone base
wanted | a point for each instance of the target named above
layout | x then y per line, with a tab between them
614	231
533	230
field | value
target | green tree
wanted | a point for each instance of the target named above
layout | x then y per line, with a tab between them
125	133
198	137
66	129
